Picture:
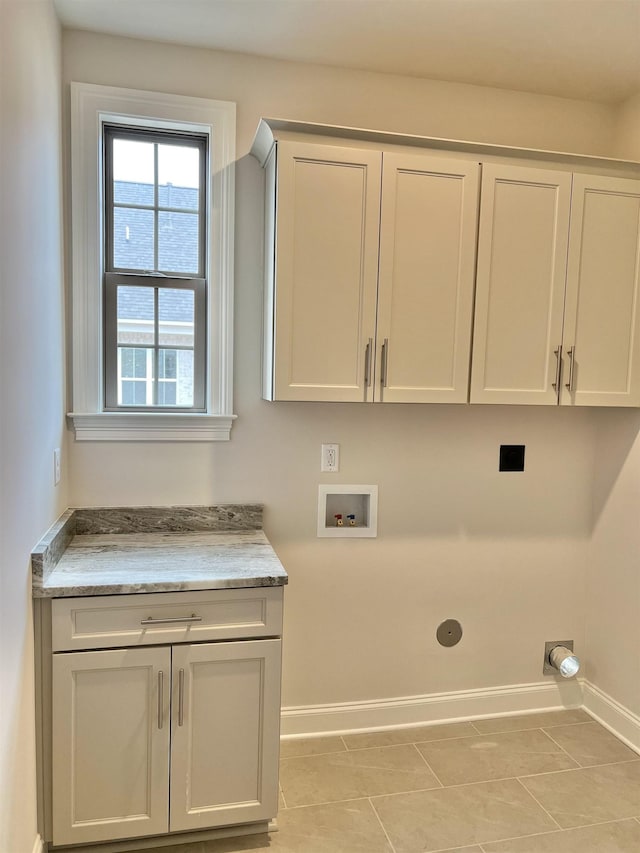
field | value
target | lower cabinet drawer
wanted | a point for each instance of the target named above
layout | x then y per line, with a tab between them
169	617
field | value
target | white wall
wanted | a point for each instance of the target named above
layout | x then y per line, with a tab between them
32	370
626	140
613	600
504	553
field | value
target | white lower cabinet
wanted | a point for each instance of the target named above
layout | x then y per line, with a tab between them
110	744
224	758
164	738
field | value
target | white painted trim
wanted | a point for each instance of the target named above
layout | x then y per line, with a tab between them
172	840
622	722
142	426
270	129
456	706
90	106
38	845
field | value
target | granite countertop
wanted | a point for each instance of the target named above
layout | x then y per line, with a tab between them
154	549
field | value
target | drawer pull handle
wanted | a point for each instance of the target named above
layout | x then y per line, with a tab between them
170	619
181	697
160	698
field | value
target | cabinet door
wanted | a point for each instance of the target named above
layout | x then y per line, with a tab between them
110	744
602	334
427	268
225	733
326	267
520	285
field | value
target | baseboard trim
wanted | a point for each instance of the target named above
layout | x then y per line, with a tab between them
38	845
612	715
456	706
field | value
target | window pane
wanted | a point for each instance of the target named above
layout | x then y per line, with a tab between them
135	385
135	315
133	171
135	363
176	317
126	362
133	238
133	393
140	364
167	364
177	364
166	393
178	242
178	176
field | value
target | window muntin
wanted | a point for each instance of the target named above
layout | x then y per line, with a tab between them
155	256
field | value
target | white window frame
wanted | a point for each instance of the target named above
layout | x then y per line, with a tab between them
91	106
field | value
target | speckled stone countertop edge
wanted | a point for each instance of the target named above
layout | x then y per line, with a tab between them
51	547
177	586
222	518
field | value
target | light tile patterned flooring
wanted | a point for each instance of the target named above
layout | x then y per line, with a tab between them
553	782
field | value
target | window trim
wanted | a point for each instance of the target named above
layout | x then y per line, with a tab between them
91	107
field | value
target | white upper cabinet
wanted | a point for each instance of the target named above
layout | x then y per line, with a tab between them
425	290
557	289
601	327
322	287
368	297
399	272
520	284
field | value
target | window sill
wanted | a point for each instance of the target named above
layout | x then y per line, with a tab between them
143	426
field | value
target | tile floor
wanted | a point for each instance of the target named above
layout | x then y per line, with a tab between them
553	782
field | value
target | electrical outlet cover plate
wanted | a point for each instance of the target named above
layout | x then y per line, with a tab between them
56	466
330	458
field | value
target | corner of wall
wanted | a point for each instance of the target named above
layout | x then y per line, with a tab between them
626	138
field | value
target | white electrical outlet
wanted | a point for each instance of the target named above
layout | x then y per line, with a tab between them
56	466
330	458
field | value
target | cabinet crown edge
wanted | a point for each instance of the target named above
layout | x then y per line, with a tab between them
270	130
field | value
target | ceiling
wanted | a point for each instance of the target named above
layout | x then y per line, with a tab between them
587	49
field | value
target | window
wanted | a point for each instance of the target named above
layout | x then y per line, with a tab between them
154	282
152	204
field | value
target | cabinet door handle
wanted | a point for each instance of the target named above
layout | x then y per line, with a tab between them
384	359
181	697
571	352
558	355
160	698
169	619
367	363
